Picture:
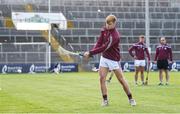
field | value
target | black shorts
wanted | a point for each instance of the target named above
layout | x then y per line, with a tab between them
162	64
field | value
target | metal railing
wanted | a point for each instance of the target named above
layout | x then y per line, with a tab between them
125	46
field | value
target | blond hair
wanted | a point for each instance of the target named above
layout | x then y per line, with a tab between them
141	36
111	19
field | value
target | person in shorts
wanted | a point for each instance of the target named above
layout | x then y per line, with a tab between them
163	57
140	51
108	45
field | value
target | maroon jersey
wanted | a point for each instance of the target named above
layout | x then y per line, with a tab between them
140	49
108	44
163	52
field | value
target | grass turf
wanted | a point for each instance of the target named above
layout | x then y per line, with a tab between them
80	93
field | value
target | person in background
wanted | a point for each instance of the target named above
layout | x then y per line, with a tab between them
163	58
139	50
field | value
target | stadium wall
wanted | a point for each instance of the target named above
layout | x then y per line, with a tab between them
71	67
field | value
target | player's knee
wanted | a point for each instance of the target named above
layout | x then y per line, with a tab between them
166	72
136	72
102	79
121	80
102	76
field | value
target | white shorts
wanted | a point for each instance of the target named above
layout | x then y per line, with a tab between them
138	63
111	64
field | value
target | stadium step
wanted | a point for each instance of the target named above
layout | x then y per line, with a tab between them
29	7
8	22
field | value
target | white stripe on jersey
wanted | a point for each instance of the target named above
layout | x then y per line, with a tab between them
163	46
137	45
110	42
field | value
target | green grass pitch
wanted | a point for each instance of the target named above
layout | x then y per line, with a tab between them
80	93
